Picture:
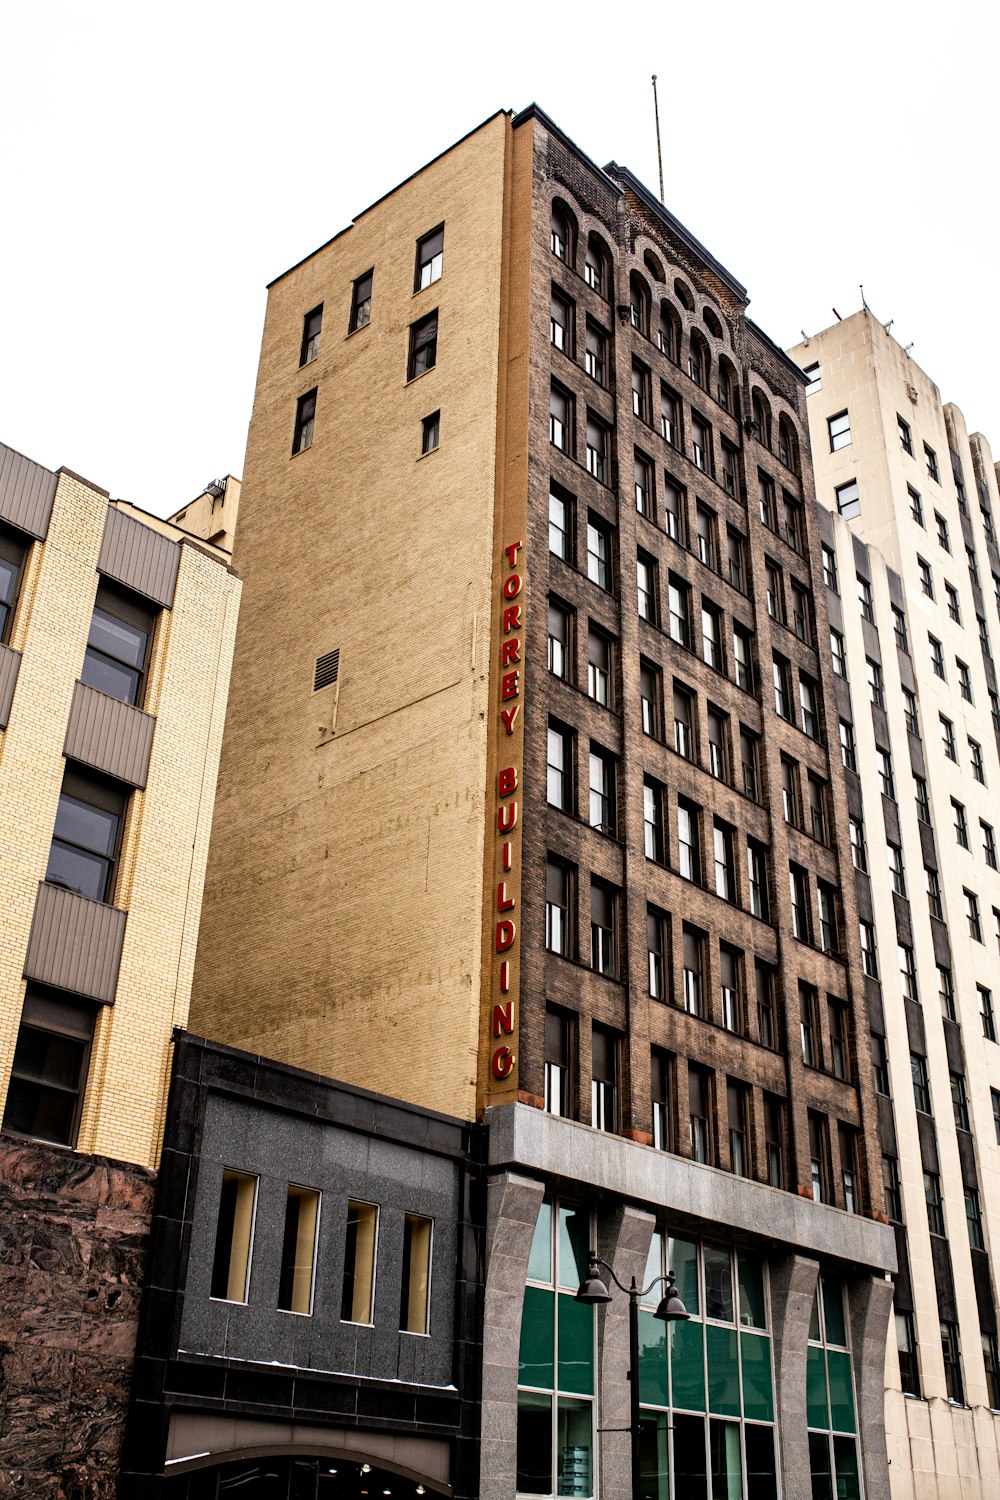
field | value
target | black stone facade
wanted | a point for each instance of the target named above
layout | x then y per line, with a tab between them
314	1376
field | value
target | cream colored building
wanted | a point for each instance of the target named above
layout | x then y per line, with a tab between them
212	515
913	583
116	639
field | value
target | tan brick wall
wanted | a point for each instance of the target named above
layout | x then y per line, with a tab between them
164	847
343	907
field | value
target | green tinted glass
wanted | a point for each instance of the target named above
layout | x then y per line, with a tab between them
727	1460
816	1409
833	1310
540	1259
718	1283
845	1456
682	1260
575	1448
576	1346
687	1369
654	1463
537	1353
819	1466
574	1251
752	1310
652	1360
758	1393
814	1332
841	1391
723	1371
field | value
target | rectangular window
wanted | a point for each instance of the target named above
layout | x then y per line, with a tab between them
234	1236
976	759
819	1157
85	842
658	949
12	558
430	259
801	614
907	973
989	844
598	553
883	762
829	567
730	965
899	629
946	993
766	501
921	1085
839	429
876	683
942	531
865	599
869	952
829	921
839	1052
897	873
560	322
694	970
859	847
603	924
298	1250
951	1354
669	409
560	1052
849	1167
930	458
790	791
964	680
560	626
699	1113
598	448
735	552
560	523
905	436
972	915
718	745
414	1299
595	358
959	1101
922	799
764	987
673	511
645	577
642	470
705	524
651	699
430	432
749	761
757	880
991	1363
559	767
814	378
305	422
684	741
49	1072
117	654
774	1139
986	1016
916	505
701	445
423	346
361	302
730	470
848	752
742	664
603	796
739	1136
600	682
774	591
808	1025
724	840
641	391
910	712
558	885
688	842
848	500
808	706
604	1080
711	635
838	654
880	1064
934	904
961	824
782	688
798	887
926	578
357	1302
662	1110
652	820
890	1182
937	657
679	607
948	737
995	1102
935	1206
312	327
561	419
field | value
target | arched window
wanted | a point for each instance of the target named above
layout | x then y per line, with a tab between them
653	266
563	240
699	360
727	388
788	448
761	419
597	270
712	323
638	294
683	294
668	332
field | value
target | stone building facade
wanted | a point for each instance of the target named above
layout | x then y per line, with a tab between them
523	680
908	501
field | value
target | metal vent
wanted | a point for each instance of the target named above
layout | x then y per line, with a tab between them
327	668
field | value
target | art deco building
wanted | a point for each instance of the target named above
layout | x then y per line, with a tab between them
531	666
116	636
912	574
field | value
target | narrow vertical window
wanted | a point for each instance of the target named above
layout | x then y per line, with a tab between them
430	258
358	1297
305	421
414	1301
234	1236
423	346
298	1250
431	432
361	302
312	325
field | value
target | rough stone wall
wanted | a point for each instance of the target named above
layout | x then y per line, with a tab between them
73	1242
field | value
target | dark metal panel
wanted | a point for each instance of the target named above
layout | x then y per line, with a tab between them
75	944
139	557
967	1159
109	735
887	1126
953	1045
915	1027
873	999
10	662
984	1291
927	843
863	895
944	1282
942	946
928	1143
904	927
26	491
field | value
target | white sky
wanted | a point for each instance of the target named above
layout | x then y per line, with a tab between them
161	164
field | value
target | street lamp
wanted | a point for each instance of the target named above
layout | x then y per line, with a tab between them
593	1292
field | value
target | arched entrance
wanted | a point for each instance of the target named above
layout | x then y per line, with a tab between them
285	1476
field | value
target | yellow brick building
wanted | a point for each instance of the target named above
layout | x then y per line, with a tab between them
116	638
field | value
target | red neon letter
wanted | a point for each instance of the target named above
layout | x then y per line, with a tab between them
510	685
504	977
512	586
509	715
507	817
502	1063
503	1018
504	901
511	618
506	933
507	781
512	550
510	651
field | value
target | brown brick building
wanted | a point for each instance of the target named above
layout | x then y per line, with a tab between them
530	799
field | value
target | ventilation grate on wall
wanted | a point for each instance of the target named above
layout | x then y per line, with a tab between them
327	668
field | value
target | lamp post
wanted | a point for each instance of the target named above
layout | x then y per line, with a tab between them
593	1292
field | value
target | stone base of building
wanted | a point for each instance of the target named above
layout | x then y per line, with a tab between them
73	1242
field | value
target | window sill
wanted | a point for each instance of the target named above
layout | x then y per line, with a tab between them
412	379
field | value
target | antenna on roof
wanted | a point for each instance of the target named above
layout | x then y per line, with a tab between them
659	149
864	304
